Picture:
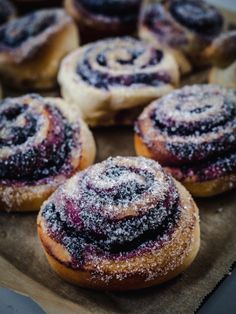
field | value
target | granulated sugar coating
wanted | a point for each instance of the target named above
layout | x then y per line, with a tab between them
196	126
39	147
35	140
121	62
120	217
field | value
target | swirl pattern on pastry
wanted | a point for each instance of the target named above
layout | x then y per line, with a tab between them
117	211
185	27
116	71
39	143
192	130
32	46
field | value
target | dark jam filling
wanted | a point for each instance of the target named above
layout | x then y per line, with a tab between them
104	80
6	10
197	16
198	127
37	162
122	237
125	191
112	8
209	170
16	32
158	21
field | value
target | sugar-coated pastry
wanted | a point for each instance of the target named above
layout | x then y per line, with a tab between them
42	143
222	54
99	19
192	132
111	75
184	27
32	47
119	225
7	11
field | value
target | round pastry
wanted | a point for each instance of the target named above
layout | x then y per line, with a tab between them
222	54
32	47
192	132
119	225
42	143
7	11
184	27
111	75
106	18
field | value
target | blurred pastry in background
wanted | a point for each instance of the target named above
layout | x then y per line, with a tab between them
107	77
7	11
105	18
184	27
32	46
24	6
222	54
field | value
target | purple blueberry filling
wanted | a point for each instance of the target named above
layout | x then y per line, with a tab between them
35	161
198	16
104	80
208	170
16	32
81	225
158	20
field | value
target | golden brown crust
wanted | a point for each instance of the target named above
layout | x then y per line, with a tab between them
211	187
35	63
159	264
24	198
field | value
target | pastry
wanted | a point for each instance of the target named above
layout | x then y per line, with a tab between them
32	47
222	54
106	18
183	27
192	132
42	143
103	78
7	11
119	225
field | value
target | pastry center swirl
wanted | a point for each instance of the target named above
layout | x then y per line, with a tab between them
124	62
197	16
115	207
35	139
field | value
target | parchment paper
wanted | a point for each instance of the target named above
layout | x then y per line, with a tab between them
31	274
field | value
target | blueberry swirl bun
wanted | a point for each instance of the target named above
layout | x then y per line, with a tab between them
192	132
42	143
104	18
7	11
121	224
31	48
184	27
111	75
